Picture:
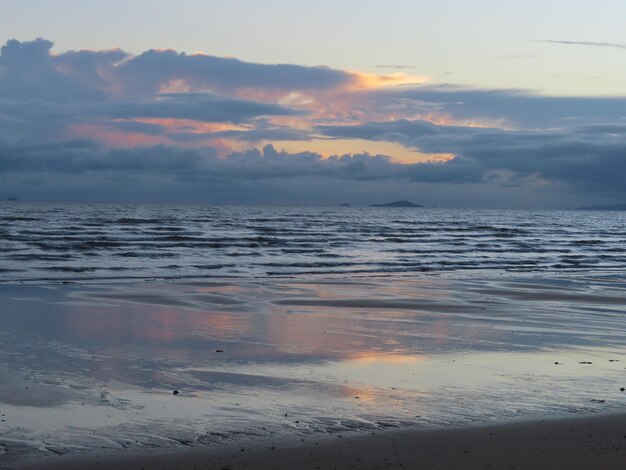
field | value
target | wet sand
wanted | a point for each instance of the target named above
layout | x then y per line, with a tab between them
392	365
597	442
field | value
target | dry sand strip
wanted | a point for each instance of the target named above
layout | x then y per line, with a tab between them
597	442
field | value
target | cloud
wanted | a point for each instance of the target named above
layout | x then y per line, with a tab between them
115	72
46	97
79	157
510	108
591	158
395	66
203	107
262	134
83	124
153	70
45	120
135	127
29	73
93	67
80	170
89	85
588	161
613	45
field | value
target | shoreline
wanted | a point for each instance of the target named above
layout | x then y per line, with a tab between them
578	442
91	371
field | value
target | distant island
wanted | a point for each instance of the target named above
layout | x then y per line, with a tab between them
397	204
12	199
344	205
614	207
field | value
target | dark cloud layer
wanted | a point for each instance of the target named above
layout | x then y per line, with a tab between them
73	170
589	157
490	159
537	150
28	72
81	157
516	108
148	71
202	107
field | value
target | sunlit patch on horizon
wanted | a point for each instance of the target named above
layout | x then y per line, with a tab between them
331	147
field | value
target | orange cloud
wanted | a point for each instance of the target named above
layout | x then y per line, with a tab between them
371	81
114	138
118	138
191	126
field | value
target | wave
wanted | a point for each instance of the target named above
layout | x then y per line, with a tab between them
40	241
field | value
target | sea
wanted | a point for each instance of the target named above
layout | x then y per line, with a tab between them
98	242
135	328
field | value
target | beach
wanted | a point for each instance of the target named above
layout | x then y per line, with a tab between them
576	443
165	373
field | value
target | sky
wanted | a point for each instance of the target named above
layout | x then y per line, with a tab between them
449	103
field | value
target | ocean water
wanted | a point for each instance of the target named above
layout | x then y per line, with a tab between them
47	241
278	324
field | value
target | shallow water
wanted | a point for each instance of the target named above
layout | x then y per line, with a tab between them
45	241
93	368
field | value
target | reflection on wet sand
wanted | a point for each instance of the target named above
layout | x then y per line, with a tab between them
288	357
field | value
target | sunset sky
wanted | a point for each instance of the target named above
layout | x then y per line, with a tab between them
450	103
